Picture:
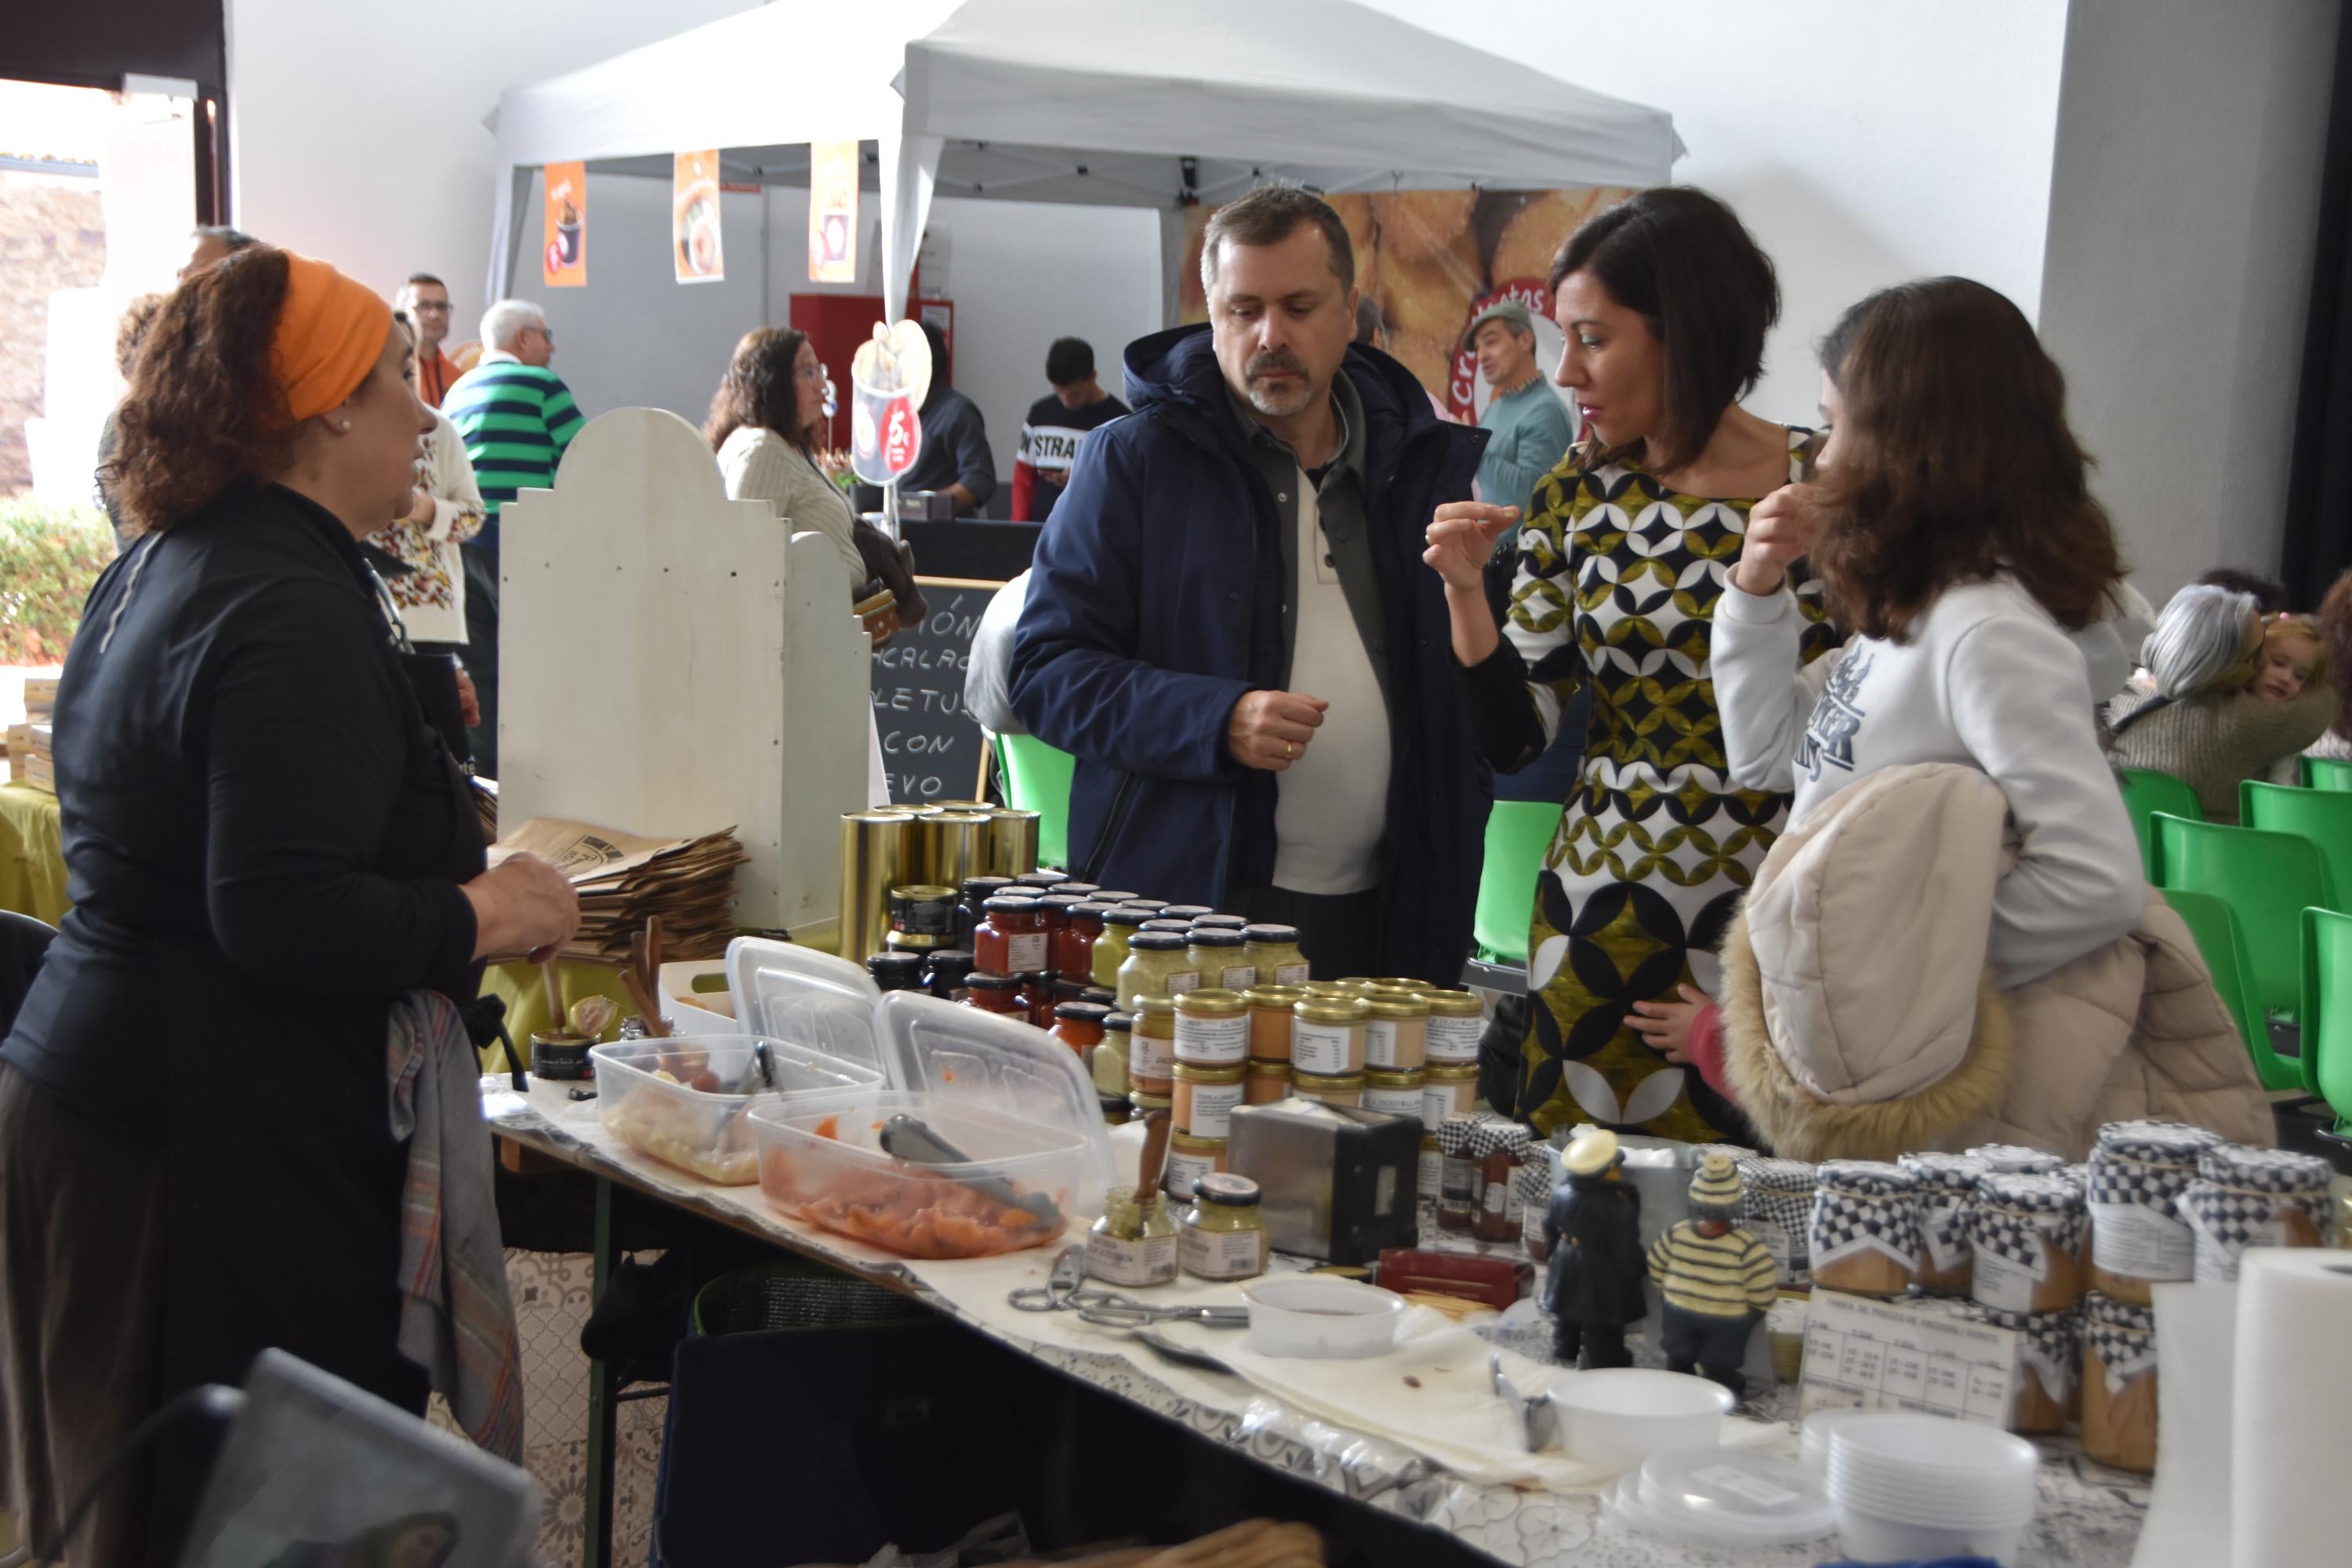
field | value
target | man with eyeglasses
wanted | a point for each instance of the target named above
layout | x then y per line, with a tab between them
517	417
427	299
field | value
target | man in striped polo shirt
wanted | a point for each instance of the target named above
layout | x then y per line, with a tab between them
517	417
1716	1278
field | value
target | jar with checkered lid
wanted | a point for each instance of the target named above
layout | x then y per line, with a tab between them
1457	1177
2025	1236
2254	1197
2051	1364
2119	1383
1947	1184
1781	1211
2139	1172
2017	1160
1496	1149
1863	1237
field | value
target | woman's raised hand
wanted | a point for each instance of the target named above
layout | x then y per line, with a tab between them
1461	536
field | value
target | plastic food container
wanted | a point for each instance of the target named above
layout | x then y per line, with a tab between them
795	993
1723	1498
1919	1487
1312	1318
993	1142
1619	1416
696	1117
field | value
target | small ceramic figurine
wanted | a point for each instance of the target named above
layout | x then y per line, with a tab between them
1594	1286
1716	1278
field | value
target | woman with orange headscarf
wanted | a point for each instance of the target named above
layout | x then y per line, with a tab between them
268	847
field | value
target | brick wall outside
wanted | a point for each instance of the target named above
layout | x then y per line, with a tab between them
52	236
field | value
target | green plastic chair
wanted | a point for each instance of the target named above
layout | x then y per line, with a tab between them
2148	791
1037	778
2268	880
2327	772
1518	832
2327	1011
2323	817
2208	920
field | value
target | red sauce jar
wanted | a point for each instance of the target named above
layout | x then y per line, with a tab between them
1079	1025
999	993
1012	937
1037	999
1074	945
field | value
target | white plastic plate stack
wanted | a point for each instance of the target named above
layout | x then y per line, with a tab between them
1813	1436
1921	1487
1722	1497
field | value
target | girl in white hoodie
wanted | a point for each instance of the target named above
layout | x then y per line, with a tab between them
1955	530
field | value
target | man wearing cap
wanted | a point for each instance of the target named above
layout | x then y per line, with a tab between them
1592	1286
1717	1278
1531	429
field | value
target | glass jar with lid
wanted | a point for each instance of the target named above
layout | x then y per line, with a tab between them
896	970
1111	1056
1110	952
944	974
1219	922
1078	890
1012	937
1134	1243
1185	912
1331	1089
2139	1173
1204	1099
1456	1021
1151	1053
1398	1093
1211	1027
1038	999
1496	1149
1155	962
1106	897
970	907
1044	881
1079	1025
1275	950
1223	1234
1266	1082
1326	1034
1270	1020
1396	1036
1447	1089
1189	1159
999	993
1074	945
1222	958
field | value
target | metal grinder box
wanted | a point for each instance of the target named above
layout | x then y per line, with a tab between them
1337	1182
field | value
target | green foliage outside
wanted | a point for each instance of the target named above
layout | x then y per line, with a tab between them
49	556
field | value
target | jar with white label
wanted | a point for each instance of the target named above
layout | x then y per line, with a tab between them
2139	1173
2254	1197
1205	1097
1223	1235
1222	958
1274	949
1455	1022
2025	1237
1188	1160
1396	1036
1447	1089
1327	1036
1134	1243
1213	1027
1398	1093
1152	1052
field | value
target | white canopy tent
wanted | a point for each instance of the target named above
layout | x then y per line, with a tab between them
1074	102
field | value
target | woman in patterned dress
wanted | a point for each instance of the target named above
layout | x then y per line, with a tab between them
1664	301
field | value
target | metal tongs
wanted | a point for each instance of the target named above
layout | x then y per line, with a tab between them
1538	1418
1065	1291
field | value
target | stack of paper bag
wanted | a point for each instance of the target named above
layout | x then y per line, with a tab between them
621	879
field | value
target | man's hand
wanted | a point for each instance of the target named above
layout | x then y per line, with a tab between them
1782	529
1462	537
1270	729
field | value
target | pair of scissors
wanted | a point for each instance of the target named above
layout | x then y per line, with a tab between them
1066	1290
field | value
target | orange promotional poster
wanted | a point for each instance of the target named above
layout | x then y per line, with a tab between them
564	263
833	212
694	219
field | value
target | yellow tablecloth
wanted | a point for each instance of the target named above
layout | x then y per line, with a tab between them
32	853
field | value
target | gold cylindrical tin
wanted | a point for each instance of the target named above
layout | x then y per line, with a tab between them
876	849
957	845
1011	848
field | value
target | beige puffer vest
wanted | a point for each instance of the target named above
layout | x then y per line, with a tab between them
1861	1020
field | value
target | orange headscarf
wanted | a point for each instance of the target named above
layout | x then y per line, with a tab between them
330	331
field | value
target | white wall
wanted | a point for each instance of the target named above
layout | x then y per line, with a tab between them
356	129
1862	143
2183	218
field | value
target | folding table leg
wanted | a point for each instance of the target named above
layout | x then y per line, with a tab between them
596	1546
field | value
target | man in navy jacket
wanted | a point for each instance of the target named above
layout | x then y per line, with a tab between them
1230	627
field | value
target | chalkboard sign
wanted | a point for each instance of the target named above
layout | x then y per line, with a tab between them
930	746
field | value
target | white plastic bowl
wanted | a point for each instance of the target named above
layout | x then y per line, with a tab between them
1619	1416
1869	1539
1813	1436
1309	1317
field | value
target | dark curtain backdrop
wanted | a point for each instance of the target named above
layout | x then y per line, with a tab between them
2318	546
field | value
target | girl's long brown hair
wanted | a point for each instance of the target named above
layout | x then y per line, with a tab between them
1955	463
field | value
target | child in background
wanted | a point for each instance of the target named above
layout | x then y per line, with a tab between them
2234	698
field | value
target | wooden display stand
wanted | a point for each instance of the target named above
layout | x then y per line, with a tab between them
671	663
